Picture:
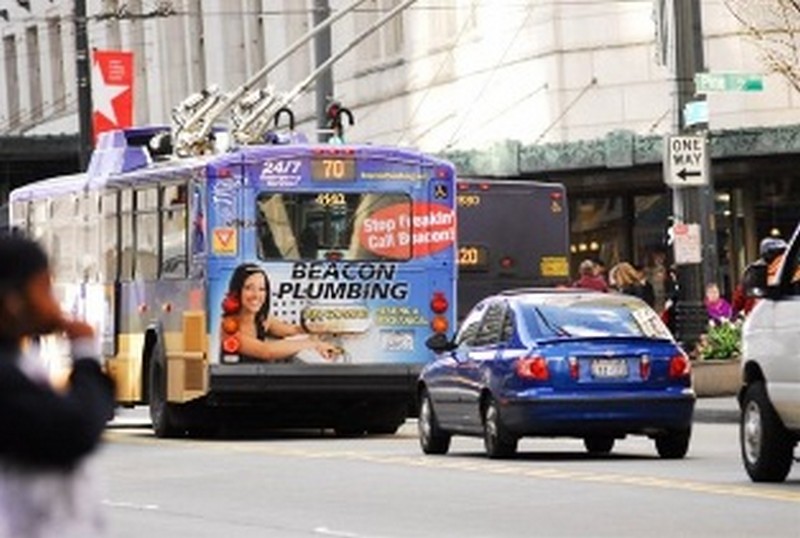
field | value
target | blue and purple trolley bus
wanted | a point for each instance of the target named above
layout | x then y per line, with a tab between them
290	284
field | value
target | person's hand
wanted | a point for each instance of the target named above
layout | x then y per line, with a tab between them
328	351
75	329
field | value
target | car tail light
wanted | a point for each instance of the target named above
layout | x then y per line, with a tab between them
679	367
644	367
533	368
574	368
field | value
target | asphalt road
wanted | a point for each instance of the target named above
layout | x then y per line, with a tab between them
315	485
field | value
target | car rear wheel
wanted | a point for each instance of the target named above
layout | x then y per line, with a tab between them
497	440
765	443
673	445
598	444
432	438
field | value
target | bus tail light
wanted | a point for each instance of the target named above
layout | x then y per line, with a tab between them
230	325
679	367
439	303
439	324
507	262
231	304
533	368
230	345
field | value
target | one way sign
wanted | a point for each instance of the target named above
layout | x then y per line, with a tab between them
686	161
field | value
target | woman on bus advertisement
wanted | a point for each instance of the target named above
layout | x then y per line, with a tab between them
246	318
363	296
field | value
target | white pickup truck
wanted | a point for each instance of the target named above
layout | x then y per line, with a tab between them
770	395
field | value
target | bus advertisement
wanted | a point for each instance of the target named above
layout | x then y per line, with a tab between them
510	234
296	283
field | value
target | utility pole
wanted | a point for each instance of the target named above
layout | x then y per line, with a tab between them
83	72
692	204
322	51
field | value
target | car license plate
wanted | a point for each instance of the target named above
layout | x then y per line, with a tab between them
609	368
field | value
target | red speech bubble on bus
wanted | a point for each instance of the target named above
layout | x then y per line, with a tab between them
395	232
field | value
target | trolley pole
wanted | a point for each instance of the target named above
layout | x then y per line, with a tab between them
84	81
693	204
322	52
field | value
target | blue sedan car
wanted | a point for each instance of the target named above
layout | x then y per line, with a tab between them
576	363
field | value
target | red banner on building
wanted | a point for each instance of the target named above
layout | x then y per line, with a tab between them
112	90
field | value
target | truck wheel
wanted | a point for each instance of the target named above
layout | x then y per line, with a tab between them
766	445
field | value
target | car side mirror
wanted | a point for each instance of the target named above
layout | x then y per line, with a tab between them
439	343
755	279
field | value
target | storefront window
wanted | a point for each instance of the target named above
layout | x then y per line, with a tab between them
597	231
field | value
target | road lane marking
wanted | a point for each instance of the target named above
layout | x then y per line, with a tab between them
486	467
339	534
129	506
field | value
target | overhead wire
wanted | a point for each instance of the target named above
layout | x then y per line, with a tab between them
505	110
429	87
592	83
465	114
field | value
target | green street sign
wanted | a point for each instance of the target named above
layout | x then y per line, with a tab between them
728	82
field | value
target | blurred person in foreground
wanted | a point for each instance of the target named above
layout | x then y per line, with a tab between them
45	435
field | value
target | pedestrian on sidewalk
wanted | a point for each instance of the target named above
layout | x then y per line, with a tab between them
589	277
46	488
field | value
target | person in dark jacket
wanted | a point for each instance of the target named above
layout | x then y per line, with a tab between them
45	435
630	281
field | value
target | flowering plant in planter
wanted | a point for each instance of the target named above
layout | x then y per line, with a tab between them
722	341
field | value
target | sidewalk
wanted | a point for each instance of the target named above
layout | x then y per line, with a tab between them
720	409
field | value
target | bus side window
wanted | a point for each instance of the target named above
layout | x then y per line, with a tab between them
89	255
39	222
63	231
173	231
126	235
20	210
109	237
145	261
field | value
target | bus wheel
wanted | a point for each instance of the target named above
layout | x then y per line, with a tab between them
349	430
388	420
163	414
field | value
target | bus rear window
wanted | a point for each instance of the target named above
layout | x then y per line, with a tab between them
334	226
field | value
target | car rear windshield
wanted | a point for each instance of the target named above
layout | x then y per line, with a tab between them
582	320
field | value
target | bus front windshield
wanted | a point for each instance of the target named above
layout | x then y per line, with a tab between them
334	226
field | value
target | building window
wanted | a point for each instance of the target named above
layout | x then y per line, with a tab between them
58	85
387	41
12	81
34	73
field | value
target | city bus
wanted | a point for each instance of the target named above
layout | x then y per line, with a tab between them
290	284
511	233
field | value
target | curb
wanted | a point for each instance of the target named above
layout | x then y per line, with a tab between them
717	410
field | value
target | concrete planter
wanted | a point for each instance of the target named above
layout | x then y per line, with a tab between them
717	377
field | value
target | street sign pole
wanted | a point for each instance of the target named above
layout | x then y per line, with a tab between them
692	204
